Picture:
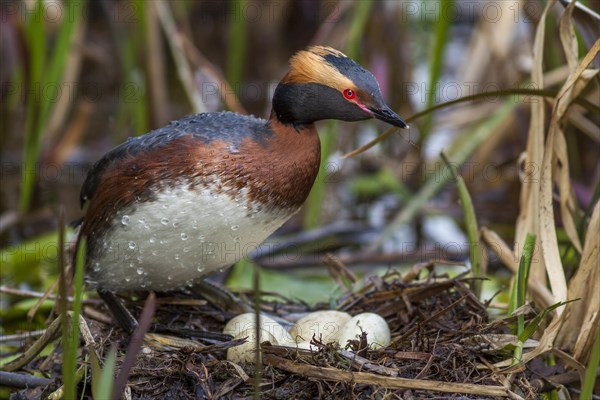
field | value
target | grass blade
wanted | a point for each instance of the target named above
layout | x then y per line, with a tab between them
40	80
530	329
362	11
102	380
442	28
470	224
520	285
518	294
35	34
60	54
589	380
237	47
71	334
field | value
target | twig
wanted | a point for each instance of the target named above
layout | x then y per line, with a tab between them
37	295
429	360
367	364
162	342
21	336
31	313
29	293
339	271
225	90
97	315
425	322
334	374
12	379
174	38
49	335
356	258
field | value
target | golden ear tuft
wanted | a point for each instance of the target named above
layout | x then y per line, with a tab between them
310	66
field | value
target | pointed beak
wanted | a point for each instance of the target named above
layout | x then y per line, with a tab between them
385	114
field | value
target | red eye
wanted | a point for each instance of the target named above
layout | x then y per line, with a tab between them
349	94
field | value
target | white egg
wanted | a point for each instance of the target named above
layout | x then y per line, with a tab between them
324	325
244	325
248	321
378	331
246	352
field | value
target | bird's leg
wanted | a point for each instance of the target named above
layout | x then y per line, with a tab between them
119	311
212	292
219	295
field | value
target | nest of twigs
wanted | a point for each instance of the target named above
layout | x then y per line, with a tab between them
443	346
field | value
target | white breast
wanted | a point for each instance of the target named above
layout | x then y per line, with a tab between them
178	238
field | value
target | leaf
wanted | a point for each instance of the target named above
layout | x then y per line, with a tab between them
582	320
549	243
518	293
96	373
549	235
535	323
568	204
538	291
587	389
528	219
588	23
102	382
71	334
